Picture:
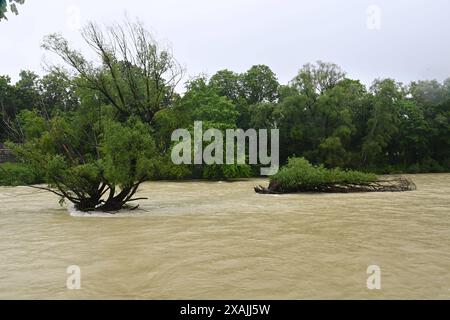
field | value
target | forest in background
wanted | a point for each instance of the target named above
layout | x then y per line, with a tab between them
321	114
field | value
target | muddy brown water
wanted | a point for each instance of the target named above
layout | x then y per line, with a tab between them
210	240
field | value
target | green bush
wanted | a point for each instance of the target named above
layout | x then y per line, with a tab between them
16	174
414	168
299	174
225	172
167	170
432	166
89	158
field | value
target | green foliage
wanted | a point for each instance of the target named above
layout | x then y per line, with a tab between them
299	174
57	92
384	120
109	120
335	121
127	151
12	4
317	115
51	95
260	85
202	102
136	76
17	174
165	169
226	172
228	84
262	115
257	86
84	154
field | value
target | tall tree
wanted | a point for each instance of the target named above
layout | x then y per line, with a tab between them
58	93
136	76
387	98
228	84
305	113
23	95
260	84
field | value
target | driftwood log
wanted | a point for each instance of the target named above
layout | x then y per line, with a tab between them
397	184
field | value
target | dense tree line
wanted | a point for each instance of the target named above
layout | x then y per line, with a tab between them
91	126
321	114
333	120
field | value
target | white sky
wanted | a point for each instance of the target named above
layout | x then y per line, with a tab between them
208	35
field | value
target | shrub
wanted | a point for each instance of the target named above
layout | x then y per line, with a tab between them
432	166
300	175
226	172
17	174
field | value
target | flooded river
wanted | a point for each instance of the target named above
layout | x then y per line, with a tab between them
210	240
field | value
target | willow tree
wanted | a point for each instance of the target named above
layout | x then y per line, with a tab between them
97	155
87	157
132	73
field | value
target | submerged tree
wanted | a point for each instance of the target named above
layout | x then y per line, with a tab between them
99	148
88	158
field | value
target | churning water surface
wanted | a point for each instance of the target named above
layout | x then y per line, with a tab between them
210	240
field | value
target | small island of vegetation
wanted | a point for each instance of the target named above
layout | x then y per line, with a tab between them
299	175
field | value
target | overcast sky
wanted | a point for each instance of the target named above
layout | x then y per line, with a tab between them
403	39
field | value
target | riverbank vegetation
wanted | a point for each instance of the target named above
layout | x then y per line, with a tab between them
89	127
18	174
